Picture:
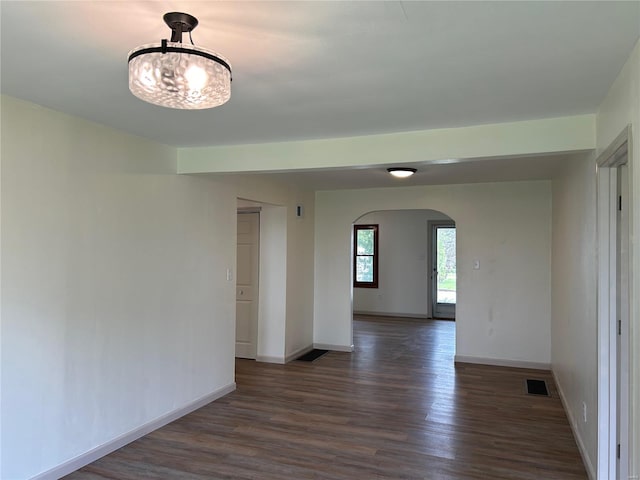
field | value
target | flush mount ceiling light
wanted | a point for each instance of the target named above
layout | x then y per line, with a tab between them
174	75
401	172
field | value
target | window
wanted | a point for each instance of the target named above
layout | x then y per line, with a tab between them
365	256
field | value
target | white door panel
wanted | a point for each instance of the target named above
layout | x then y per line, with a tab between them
247	285
244	264
243	323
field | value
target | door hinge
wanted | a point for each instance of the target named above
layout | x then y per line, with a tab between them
619	327
618	451
620	202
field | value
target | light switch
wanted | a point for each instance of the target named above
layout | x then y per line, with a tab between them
229	275
476	264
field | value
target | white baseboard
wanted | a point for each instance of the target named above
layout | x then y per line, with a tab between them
336	348
591	471
106	448
391	314
270	359
297	353
502	363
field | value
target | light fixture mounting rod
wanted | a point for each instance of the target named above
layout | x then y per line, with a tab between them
179	22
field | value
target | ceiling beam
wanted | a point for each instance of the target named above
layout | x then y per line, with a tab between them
447	145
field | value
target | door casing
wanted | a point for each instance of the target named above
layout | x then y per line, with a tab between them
613	306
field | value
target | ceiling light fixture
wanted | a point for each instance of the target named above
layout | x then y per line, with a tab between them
401	172
179	76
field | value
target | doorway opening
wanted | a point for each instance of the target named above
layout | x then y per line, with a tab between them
613	309
261	259
414	261
443	269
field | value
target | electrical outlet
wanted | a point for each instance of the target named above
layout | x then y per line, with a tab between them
584	412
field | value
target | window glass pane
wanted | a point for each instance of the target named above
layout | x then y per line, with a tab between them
446	239
365	242
365	261
364	269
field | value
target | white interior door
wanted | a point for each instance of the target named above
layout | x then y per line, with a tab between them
247	272
443	276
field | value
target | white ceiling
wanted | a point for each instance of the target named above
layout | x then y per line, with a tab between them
304	70
325	69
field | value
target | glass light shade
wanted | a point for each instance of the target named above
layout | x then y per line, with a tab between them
401	172
185	77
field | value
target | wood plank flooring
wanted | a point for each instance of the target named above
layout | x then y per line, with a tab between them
396	408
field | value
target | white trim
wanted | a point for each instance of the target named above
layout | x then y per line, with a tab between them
243	210
392	314
106	448
606	429
335	348
616	151
270	359
299	352
612	157
499	362
591	471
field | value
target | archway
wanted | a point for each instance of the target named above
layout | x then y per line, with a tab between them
406	263
503	265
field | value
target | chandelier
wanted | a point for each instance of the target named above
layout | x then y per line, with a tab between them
176	75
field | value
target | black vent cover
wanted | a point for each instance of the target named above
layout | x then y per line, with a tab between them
312	355
537	387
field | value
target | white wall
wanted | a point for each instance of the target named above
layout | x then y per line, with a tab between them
574	314
115	304
115	308
300	291
503	310
620	108
403	269
272	299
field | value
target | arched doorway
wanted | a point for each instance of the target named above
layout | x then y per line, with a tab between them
414	262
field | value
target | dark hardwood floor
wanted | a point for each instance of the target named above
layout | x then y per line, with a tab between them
396	408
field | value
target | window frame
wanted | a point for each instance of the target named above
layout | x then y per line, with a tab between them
375	256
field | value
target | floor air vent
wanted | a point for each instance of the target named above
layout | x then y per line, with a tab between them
537	387
312	355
